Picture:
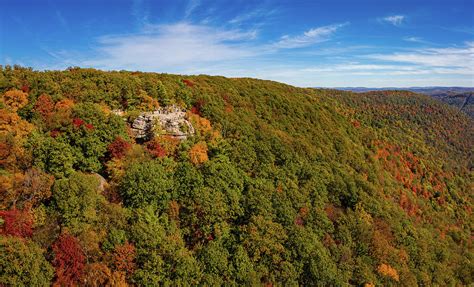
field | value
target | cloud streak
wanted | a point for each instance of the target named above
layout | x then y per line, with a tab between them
458	57
192	5
310	37
166	47
62	20
139	13
414	39
255	14
395	20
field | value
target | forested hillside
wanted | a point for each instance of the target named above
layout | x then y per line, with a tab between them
455	96
276	186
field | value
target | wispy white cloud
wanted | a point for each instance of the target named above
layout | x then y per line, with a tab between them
183	45
414	39
395	20
162	47
58	15
192	5
139	12
62	21
252	15
460	57
419	40
312	36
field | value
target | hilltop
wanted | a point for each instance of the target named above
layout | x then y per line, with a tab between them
272	184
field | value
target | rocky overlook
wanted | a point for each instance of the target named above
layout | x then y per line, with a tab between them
170	120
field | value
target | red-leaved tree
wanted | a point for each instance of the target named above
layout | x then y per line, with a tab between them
77	122
124	257
188	83
69	260
119	147
197	107
16	223
44	106
155	149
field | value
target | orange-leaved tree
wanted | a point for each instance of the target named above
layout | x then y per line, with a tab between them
15	99
124	258
198	153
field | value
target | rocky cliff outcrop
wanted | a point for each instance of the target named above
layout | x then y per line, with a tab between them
170	121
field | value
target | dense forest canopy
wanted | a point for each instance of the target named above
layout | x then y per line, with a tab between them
277	185
460	97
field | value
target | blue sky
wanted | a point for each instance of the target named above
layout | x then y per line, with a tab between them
305	43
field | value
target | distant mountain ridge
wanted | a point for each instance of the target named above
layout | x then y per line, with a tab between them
460	97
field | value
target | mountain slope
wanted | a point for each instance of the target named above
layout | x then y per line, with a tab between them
278	185
459	97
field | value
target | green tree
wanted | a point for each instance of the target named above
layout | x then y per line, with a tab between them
163	96
315	262
22	263
264	241
215	259
78	200
162	256
52	155
146	183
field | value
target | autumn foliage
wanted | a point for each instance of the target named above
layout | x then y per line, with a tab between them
16	223
69	260
35	187
124	258
44	106
11	123
76	122
119	147
203	126
197	107
277	186
64	104
13	129
198	153
389	271
25	88
188	83
155	149
99	274
15	99
355	123
62	114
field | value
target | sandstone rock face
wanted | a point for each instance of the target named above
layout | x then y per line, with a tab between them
102	182
171	120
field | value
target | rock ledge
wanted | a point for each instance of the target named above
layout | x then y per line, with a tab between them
170	121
